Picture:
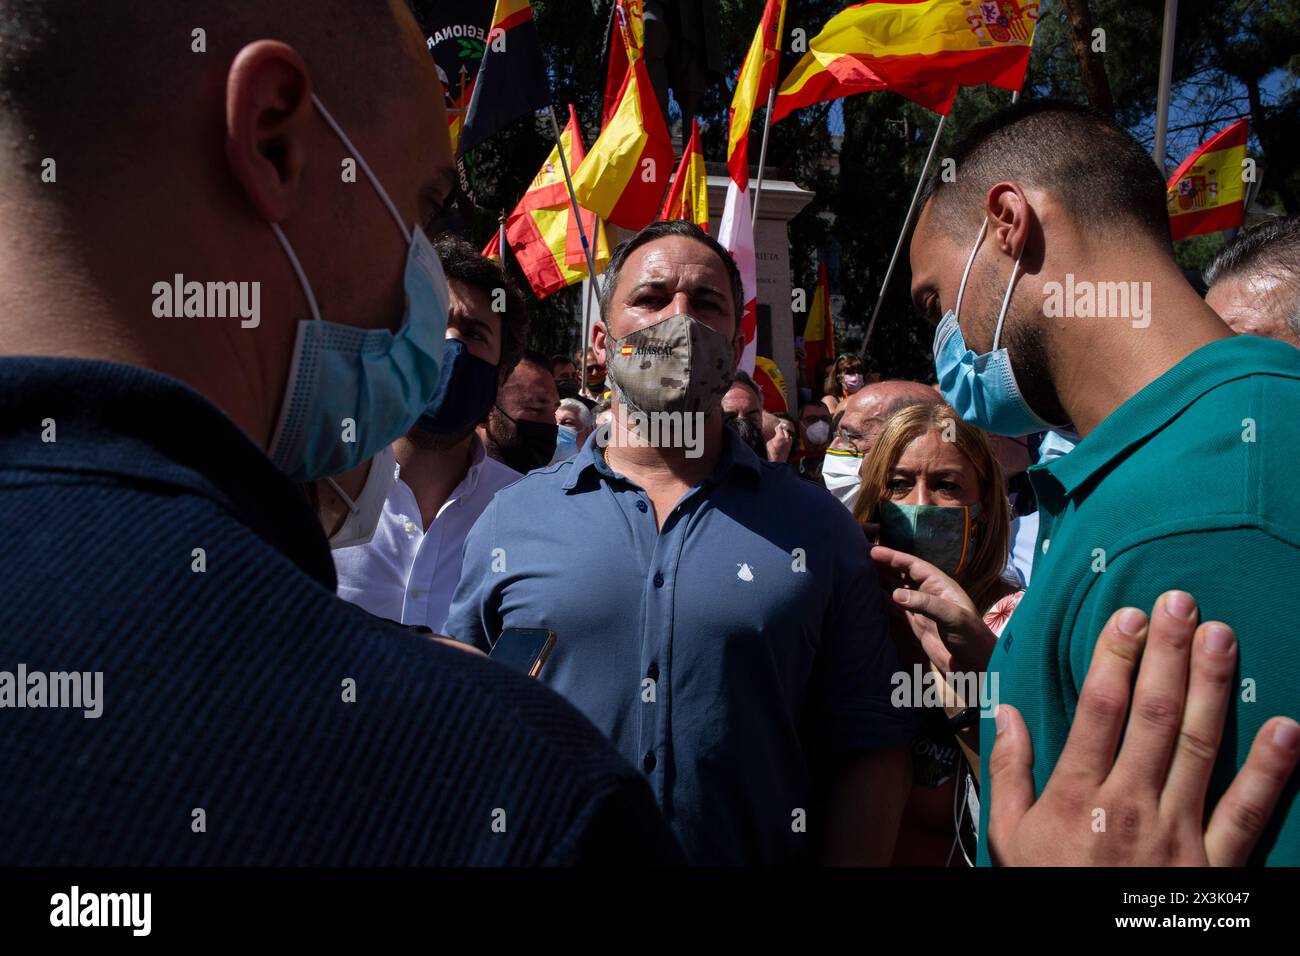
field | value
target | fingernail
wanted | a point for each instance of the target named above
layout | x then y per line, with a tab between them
1180	604
1219	638
1131	621
901	595
1000	720
1287	735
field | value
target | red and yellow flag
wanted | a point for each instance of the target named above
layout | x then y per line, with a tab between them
688	197
624	176
922	49
819	329
771	383
756	78
543	232
626	41
1207	192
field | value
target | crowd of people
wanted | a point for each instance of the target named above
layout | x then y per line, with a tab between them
1033	611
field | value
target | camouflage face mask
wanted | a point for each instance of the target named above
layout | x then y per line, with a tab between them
676	365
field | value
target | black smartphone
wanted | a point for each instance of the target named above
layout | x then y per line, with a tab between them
524	648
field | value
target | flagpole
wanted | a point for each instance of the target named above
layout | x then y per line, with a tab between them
907	223
762	152
586	312
501	238
1166	78
573	199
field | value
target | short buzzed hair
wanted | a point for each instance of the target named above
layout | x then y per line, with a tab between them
76	73
1098	172
658	230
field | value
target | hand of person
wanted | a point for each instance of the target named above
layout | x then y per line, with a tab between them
939	612
459	645
1145	807
778	449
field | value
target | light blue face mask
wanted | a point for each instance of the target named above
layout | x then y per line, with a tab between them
353	391
982	389
566	443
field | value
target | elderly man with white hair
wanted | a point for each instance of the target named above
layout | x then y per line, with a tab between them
576	422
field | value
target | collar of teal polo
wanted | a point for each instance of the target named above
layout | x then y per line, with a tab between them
1152	408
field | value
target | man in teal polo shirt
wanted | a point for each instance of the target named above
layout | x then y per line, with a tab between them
1058	300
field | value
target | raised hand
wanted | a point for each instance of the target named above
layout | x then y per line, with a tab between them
942	618
1150	799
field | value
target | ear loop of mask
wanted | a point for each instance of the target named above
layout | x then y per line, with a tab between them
1006	299
353	507
374	181
961	289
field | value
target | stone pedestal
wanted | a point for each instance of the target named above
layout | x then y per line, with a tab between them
782	200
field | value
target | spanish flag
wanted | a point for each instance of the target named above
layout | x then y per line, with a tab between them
542	231
624	176
819	329
771	383
1207	192
923	49
688	198
512	77
756	78
626	41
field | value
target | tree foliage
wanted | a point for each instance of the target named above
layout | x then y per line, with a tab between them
1233	58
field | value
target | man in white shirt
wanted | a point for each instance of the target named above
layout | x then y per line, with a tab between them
410	509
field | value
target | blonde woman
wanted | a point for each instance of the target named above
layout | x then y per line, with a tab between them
932	487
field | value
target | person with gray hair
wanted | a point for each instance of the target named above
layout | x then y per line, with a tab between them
575	422
1254	281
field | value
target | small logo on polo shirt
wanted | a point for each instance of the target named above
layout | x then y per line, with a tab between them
745	573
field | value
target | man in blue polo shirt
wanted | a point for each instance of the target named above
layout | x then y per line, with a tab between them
733	643
1058	300
154	541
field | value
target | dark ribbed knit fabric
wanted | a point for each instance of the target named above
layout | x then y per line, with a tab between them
222	689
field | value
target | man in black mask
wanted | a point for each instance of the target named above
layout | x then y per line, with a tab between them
520	430
567	381
405	517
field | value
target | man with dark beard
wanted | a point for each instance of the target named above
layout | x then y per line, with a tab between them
520	429
398	551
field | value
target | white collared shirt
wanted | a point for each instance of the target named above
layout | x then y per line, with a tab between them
405	573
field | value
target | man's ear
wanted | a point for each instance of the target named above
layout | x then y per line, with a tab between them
598	340
1009	215
268	116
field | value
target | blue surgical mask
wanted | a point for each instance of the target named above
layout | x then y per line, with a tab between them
352	391
982	389
466	391
566	443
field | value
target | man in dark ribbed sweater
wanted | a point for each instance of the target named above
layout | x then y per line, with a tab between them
242	713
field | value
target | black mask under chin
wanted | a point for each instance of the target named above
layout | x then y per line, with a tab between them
532	445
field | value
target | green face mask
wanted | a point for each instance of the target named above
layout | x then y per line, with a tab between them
942	535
